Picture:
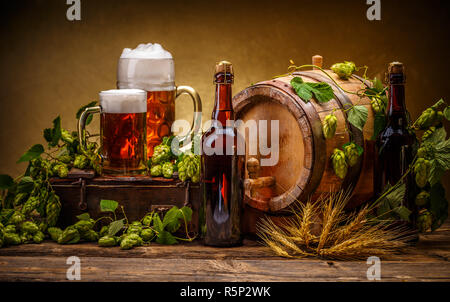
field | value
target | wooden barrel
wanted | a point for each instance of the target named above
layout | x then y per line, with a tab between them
304	168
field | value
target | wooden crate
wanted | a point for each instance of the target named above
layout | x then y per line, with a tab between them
81	192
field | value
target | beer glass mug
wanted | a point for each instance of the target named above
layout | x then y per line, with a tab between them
151	68
122	131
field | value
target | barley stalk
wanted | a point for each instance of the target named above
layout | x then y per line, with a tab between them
357	238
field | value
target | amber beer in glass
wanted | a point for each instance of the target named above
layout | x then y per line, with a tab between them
122	130
160	116
151	68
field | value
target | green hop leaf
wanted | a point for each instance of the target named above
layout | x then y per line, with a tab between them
157	223
447	113
6	182
357	116
54	134
403	212
379	124
321	91
26	185
187	213
171	220
108	205
84	216
438	205
165	237
34	152
115	227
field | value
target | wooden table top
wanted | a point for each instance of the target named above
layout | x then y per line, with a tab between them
428	261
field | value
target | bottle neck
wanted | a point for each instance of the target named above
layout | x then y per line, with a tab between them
223	108
396	107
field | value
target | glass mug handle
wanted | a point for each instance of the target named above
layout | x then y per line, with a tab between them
197	120
82	126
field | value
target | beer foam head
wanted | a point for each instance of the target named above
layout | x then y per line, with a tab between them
146	51
148	66
123	101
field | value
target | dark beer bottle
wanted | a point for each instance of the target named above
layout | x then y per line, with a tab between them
396	144
222	167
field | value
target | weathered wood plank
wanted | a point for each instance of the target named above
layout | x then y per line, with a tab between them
181	270
427	261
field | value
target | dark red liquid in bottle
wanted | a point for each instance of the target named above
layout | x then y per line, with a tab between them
396	145
222	171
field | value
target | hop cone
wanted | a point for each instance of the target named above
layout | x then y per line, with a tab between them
377	105
69	236
81	162
107	241
352	154
29	227
189	167
344	70
161	154
167	170
38	237
66	136
339	163
156	170
422	198
329	125
31	204
54	233
428	133
424	221
52	210
426	151
427	119
422	171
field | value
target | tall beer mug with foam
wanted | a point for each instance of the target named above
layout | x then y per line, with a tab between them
122	131
151	68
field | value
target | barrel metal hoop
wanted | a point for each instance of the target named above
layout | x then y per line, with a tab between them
318	142
358	137
282	201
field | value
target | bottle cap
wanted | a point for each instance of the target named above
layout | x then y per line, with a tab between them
395	73
396	67
226	68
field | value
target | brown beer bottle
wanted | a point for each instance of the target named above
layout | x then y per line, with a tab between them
396	145
222	167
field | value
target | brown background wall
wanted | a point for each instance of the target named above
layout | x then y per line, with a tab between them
51	66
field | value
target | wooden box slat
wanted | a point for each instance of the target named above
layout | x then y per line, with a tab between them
138	195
